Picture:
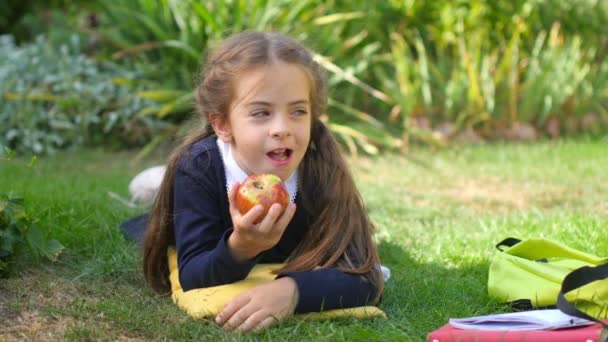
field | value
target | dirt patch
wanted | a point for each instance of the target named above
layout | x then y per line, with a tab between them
477	193
36	306
601	208
32	326
29	293
3	306
494	195
488	194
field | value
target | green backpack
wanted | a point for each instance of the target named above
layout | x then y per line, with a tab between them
534	273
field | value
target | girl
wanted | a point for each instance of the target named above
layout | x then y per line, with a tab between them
261	96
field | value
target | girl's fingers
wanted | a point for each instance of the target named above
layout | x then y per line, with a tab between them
231	308
240	316
286	217
268	223
253	321
249	218
265	323
273	224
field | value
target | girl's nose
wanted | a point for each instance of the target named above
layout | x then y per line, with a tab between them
280	127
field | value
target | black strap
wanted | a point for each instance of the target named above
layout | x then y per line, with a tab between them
135	228
508	242
578	278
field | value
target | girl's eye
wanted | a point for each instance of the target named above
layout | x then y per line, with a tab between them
260	114
300	112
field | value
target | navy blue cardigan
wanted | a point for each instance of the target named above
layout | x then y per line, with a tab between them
203	224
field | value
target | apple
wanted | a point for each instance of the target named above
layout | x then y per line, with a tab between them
265	189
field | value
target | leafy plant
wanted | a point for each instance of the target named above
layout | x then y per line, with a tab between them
560	71
55	97
398	70
18	230
174	35
472	84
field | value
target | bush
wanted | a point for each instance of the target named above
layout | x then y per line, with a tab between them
400	70
25	19
56	97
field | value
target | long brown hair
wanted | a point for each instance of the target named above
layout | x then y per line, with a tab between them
341	234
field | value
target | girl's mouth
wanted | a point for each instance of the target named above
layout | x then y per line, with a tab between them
280	154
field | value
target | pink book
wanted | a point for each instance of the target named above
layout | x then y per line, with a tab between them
447	333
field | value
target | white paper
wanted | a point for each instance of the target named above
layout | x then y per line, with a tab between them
548	319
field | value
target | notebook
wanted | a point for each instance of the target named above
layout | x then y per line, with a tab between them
546	319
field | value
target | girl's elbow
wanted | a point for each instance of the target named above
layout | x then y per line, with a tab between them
187	283
375	291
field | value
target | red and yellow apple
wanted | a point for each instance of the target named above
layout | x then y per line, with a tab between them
265	189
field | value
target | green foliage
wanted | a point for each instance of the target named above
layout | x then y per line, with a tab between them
55	97
174	35
24	19
18	230
11	11
472	83
398	70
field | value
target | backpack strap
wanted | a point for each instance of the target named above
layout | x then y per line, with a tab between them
578	278
519	304
508	242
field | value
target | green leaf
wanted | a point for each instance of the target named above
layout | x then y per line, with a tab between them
8	153
358	137
148	111
206	15
8	241
179	45
33	96
35	239
122	81
333	18
52	249
160	95
33	162
356	114
183	103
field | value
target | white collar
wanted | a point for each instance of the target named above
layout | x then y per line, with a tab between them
234	173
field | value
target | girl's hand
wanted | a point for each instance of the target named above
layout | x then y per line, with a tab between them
260	307
249	239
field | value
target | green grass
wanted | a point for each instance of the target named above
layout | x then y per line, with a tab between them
438	216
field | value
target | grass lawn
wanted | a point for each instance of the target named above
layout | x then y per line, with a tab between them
438	216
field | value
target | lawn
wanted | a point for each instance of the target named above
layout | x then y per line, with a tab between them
438	215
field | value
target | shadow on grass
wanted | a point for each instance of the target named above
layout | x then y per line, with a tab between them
421	297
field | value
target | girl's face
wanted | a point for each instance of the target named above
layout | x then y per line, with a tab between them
270	119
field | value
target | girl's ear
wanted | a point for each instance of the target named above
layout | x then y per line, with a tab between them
221	127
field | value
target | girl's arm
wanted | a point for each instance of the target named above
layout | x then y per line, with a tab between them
210	254
201	234
330	288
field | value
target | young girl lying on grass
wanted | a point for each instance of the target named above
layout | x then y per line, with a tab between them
261	97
